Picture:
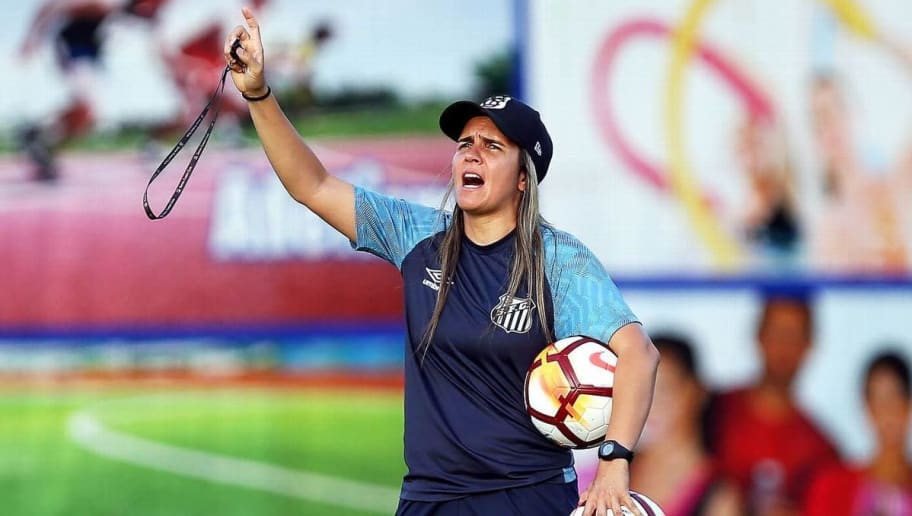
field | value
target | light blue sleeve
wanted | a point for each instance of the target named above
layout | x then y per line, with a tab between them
390	228
586	301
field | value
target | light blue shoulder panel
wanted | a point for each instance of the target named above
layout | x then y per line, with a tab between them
390	228
586	300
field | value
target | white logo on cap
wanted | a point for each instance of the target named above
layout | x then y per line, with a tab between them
538	148
496	102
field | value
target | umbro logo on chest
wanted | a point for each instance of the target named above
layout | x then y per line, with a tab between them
433	278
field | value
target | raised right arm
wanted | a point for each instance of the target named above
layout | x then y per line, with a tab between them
298	168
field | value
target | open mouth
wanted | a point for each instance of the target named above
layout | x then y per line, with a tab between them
472	180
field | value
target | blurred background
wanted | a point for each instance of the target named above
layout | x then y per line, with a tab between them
742	168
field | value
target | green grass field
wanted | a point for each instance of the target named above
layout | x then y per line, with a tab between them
200	452
420	119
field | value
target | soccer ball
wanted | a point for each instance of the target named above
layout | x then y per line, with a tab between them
644	504
568	391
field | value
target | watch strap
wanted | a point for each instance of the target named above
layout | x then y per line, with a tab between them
611	450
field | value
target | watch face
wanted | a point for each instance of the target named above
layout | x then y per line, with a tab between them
610	450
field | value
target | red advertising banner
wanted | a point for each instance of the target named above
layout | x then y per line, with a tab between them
236	249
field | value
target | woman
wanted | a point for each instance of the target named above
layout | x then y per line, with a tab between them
673	465
485	288
768	215
871	198
884	486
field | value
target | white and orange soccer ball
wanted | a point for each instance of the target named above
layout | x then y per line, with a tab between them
569	389
644	504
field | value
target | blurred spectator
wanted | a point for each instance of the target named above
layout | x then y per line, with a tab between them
672	465
761	438
883	487
872	200
76	29
768	216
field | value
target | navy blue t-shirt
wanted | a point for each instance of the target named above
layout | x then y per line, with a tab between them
466	427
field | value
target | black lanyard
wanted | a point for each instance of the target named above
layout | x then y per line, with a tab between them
214	102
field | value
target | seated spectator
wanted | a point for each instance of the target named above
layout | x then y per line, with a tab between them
762	439
672	465
883	486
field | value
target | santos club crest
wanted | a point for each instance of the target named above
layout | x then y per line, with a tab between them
513	315
496	102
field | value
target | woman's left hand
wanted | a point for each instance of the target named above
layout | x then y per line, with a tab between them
609	490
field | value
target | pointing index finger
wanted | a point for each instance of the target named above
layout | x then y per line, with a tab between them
251	20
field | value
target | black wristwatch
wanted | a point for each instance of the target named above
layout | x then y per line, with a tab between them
610	450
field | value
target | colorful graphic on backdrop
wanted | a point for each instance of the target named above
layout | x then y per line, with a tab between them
677	176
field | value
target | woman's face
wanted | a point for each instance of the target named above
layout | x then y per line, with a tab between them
785	340
888	408
675	403
486	171
830	124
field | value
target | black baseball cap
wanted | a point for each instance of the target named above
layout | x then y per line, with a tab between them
519	122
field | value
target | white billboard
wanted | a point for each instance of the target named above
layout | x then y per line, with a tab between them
711	136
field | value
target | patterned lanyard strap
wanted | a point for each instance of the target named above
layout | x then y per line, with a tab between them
213	104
